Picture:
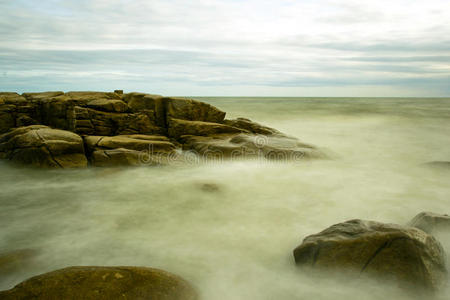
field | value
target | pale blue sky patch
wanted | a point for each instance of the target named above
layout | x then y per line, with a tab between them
232	48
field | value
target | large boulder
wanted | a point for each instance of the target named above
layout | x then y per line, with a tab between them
124	150
103	283
41	146
408	255
192	110
431	222
246	145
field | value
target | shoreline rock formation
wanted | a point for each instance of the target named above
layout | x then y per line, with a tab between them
77	129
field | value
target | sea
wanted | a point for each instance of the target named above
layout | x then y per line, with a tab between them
229	227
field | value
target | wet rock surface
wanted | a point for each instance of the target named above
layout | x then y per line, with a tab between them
407	255
117	127
431	222
103	283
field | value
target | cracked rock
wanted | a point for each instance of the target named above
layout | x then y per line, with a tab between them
411	257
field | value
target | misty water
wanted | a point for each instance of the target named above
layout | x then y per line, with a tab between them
229	228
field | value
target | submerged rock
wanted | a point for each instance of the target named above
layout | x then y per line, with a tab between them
439	164
41	146
103	283
245	145
405	254
431	222
13	261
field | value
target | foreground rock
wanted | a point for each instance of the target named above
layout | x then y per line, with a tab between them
103	283
408	255
42	146
431	222
119	128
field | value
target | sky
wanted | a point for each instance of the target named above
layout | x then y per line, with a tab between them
228	47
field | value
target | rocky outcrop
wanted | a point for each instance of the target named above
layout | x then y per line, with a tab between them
41	146
431	222
103	283
408	255
116	127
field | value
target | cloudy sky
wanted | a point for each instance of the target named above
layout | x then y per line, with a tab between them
228	47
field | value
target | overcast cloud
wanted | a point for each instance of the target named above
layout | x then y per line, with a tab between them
227	47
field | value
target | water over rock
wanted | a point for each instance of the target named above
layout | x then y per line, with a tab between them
117	127
431	222
407	255
103	283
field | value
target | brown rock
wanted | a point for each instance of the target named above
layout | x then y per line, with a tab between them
86	96
406	254
128	150
42	95
178	127
133	142
7	120
41	146
108	105
192	110
103	283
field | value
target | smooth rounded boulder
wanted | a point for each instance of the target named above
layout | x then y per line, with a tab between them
103	283
42	146
407	255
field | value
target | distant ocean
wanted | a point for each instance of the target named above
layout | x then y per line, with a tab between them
235	241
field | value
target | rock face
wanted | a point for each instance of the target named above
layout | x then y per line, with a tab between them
103	283
431	222
408	255
117	128
41	146
125	150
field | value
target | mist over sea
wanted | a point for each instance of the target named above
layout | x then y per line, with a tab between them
230	227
